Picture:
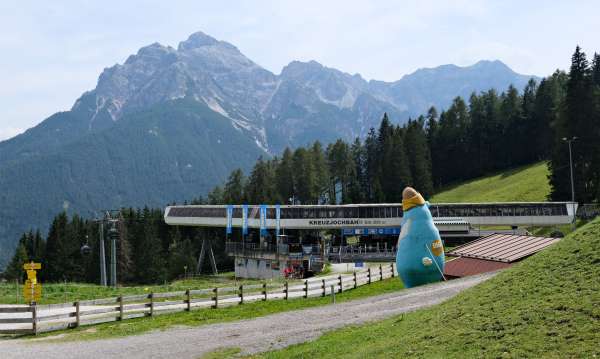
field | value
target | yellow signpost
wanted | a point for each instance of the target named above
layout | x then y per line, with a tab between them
32	290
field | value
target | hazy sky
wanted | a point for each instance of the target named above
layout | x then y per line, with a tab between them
52	51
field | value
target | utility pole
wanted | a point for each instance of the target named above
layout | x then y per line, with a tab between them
569	141
113	234
102	255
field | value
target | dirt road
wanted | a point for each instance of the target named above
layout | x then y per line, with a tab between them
253	335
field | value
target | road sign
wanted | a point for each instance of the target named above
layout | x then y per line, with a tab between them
32	266
32	290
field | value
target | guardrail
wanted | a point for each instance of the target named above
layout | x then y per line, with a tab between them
35	319
363	253
256	250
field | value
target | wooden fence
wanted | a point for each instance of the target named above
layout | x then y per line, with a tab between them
42	318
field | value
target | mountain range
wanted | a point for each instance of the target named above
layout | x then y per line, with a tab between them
170	123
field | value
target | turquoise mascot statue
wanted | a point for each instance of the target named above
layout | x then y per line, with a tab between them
420	255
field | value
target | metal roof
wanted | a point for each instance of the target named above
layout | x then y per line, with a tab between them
461	267
503	247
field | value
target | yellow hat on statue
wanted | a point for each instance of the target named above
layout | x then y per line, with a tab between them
411	198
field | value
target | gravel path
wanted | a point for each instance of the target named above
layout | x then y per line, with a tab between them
253	335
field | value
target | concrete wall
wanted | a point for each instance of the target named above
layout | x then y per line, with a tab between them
257	268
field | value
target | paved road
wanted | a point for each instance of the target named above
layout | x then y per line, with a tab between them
253	335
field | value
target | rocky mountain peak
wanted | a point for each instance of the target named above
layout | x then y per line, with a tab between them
196	40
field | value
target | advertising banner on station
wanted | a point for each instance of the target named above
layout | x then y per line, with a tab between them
277	219
371	231
263	219
229	228
244	219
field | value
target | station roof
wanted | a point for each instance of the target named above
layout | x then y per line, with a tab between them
461	267
505	248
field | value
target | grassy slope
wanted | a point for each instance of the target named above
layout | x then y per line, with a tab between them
546	306
230	313
529	183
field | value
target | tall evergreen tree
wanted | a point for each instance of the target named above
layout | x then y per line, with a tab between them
373	190
233	192
576	120
149	260
321	169
342	169
284	177
55	249
14	270
260	187
359	184
419	157
304	177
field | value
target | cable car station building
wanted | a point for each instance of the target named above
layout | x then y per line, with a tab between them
276	240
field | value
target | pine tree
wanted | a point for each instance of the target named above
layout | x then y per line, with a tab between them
14	270
452	142
39	246
359	184
304	177
342	169
322	175
216	196
284	177
373	190
512	130
124	255
55	249
595	146
149	260
181	256
576	120
233	192
260	187
548	100
395	173
419	157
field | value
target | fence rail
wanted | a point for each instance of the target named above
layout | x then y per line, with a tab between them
35	319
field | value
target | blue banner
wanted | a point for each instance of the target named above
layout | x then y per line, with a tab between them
244	219
263	219
368	231
229	228
277	219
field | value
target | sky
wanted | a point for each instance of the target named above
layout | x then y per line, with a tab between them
52	52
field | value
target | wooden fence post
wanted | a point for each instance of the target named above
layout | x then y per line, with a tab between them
188	300
241	294
151	296
380	273
306	289
216	297
393	274
341	283
369	275
77	315
324	289
355	281
286	289
333	293
34	319
264	291
121	307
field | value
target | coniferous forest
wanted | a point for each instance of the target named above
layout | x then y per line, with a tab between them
485	133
